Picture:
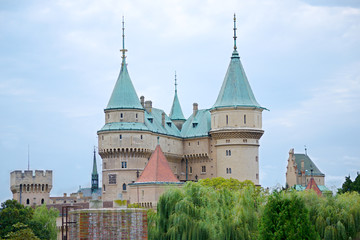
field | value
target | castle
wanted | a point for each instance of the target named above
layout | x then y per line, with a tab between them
222	141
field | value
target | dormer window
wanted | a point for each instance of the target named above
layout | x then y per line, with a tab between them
169	124
150	120
195	124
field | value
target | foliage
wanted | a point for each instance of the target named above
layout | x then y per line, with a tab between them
43	222
286	217
12	212
17	220
349	186
206	210
22	233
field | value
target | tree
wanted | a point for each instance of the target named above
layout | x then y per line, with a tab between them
43	222
12	212
22	232
286	217
349	186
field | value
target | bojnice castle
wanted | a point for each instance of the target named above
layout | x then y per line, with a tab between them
222	141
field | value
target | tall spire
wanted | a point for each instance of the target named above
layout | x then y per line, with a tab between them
94	175
124	95
176	112
175	83
235	32
235	90
123	50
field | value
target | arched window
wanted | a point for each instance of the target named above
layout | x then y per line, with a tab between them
120	136
124	187
229	170
28	201
42	201
229	152
42	187
121	115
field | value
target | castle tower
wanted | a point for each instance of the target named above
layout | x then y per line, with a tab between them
236	124
29	189
176	115
118	140
94	176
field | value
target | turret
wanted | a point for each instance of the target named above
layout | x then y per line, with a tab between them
236	122
176	115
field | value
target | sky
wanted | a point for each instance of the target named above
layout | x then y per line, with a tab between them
59	61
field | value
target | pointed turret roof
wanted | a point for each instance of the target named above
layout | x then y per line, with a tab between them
157	169
235	90
312	185
94	171
124	95
176	112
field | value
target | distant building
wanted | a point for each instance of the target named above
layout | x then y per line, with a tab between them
302	173
222	141
31	188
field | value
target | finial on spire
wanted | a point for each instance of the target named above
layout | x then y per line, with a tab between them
235	32
175	83
305	150
123	50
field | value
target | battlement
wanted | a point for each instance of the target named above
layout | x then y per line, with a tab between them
31	177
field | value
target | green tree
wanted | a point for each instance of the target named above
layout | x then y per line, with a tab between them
286	217
22	233
12	212
347	186
43	222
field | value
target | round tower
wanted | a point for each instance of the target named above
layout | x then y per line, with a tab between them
236	124
123	155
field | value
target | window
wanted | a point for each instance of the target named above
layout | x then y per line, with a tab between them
42	187
104	187
256	158
257	176
27	201
194	125
28	188
112	178
227	140
198	143
228	170
228	152
245	140
102	137
140	136
123	164
120	136
203	169
169	124
244	119
227	119
124	187
150	120
136	115
121	115
190	171
42	201
108	116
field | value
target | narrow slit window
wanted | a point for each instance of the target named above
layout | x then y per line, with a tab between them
244	119
227	119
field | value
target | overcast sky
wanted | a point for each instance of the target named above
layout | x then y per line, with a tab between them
59	61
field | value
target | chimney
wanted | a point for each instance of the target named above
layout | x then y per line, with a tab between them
64	194
148	106
195	109
163	119
142	99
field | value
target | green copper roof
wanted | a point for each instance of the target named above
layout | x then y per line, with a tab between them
235	90
124	95
153	120
198	125
176	112
308	165
117	126
94	172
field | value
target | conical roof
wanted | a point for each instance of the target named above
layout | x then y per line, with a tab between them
312	185
157	169
94	171
124	95
176	112
235	90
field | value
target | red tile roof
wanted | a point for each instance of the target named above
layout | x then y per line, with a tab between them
157	169
312	185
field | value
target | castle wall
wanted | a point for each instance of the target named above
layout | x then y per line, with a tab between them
124	115
31	187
